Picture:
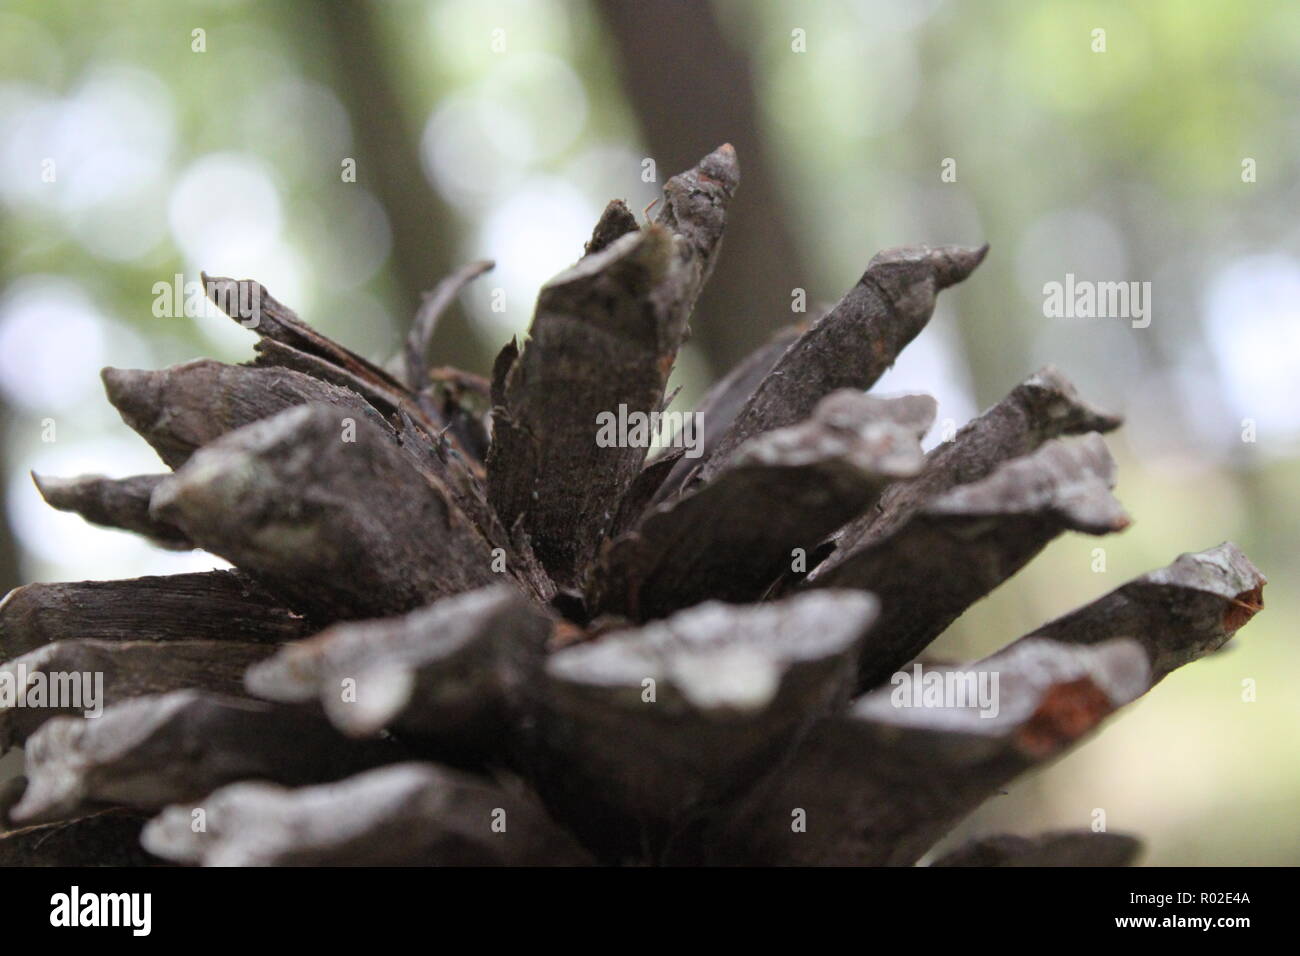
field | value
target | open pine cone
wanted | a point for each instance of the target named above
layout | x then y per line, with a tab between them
462	630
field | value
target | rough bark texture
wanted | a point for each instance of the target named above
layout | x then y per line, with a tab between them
250	304
962	545
648	732
604	338
1178	613
723	402
879	784
180	409
151	751
1044	406
126	669
438	445
459	674
345	528
615	223
784	492
409	814
211	605
689	83
113	503
853	344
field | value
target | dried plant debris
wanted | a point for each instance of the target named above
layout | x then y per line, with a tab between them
722	403
253	307
180	409
467	626
615	223
416	353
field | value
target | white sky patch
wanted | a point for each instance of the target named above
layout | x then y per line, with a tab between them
225	213
51	344
111	136
538	231
110	143
547	96
472	150
117	131
933	364
482	140
1252	310
306	148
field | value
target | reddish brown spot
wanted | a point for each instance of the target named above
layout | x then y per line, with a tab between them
564	634
1066	712
666	365
1242	608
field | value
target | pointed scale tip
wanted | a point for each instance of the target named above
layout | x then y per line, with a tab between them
48	486
65	494
955	263
135	393
215	285
122	381
723	166
947	264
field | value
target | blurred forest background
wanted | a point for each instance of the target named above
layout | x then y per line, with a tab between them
498	129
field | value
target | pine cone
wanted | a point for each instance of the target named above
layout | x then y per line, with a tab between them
463	630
